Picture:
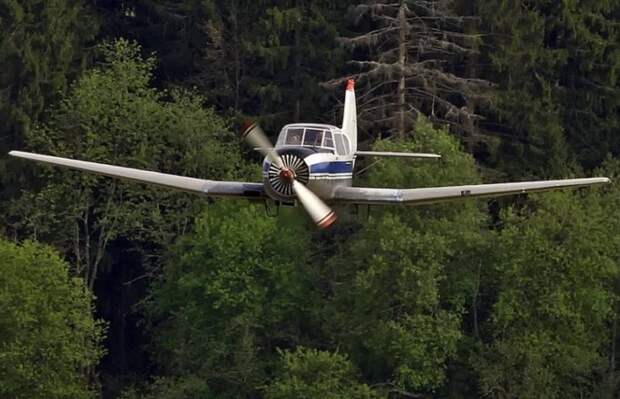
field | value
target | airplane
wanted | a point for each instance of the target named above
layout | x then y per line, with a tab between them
312	164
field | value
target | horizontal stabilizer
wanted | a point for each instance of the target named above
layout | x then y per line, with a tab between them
209	188
396	154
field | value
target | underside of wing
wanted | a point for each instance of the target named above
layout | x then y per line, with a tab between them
209	188
415	196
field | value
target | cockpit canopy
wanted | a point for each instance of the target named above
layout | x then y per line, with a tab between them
324	138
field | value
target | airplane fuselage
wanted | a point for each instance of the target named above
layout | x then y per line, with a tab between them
318	156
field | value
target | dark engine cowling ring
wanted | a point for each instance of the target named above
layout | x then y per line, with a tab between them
293	161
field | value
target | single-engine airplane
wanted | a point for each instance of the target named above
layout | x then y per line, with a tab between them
312	164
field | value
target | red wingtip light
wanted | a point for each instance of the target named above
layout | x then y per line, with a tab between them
350	84
327	221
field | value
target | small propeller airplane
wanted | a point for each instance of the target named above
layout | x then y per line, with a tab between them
312	164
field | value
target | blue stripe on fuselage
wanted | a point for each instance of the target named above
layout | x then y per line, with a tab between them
332	167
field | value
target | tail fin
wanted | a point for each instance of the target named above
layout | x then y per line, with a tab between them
349	120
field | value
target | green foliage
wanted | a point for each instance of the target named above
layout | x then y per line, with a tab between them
557	66
455	166
41	48
48	338
435	300
267	58
112	115
296	51
388	310
232	292
555	271
310	373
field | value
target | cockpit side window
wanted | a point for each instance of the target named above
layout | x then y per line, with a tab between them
313	137
328	141
339	144
294	136
347	145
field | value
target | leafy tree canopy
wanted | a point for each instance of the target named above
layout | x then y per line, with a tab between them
48	337
112	115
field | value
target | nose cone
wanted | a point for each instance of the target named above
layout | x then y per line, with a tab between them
287	175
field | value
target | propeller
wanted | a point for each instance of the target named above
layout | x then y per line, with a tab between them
322	215
257	138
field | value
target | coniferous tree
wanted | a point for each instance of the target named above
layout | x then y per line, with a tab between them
272	56
41	49
407	49
556	64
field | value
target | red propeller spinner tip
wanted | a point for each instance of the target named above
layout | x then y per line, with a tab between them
247	127
327	221
287	174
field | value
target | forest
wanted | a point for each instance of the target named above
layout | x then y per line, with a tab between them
112	289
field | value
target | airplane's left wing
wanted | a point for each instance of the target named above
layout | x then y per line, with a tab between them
209	188
418	196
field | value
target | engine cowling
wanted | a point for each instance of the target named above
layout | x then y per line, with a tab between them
278	180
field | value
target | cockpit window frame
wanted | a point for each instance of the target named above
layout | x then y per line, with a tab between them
347	144
339	141
315	142
283	139
296	129
331	138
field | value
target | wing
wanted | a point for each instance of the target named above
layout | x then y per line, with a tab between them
209	188
415	196
397	154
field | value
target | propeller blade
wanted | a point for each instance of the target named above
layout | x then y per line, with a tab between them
320	213
257	138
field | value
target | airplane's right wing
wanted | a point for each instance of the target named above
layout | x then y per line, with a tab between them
209	188
418	196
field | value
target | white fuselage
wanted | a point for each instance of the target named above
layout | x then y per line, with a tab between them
320	155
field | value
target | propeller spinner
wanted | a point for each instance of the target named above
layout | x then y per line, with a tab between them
286	174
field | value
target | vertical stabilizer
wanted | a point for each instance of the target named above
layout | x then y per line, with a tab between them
349	120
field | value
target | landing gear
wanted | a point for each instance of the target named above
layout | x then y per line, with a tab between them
361	211
272	208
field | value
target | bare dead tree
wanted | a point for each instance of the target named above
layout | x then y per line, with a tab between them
413	49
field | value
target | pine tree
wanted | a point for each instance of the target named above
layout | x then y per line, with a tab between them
410	56
556	65
41	49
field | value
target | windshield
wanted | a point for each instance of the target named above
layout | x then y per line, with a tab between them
293	136
307	136
313	137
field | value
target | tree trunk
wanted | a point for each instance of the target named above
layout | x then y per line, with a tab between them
471	29
298	55
402	60
236	51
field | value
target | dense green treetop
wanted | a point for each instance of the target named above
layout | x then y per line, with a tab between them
232	293
310	373
554	272
49	340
